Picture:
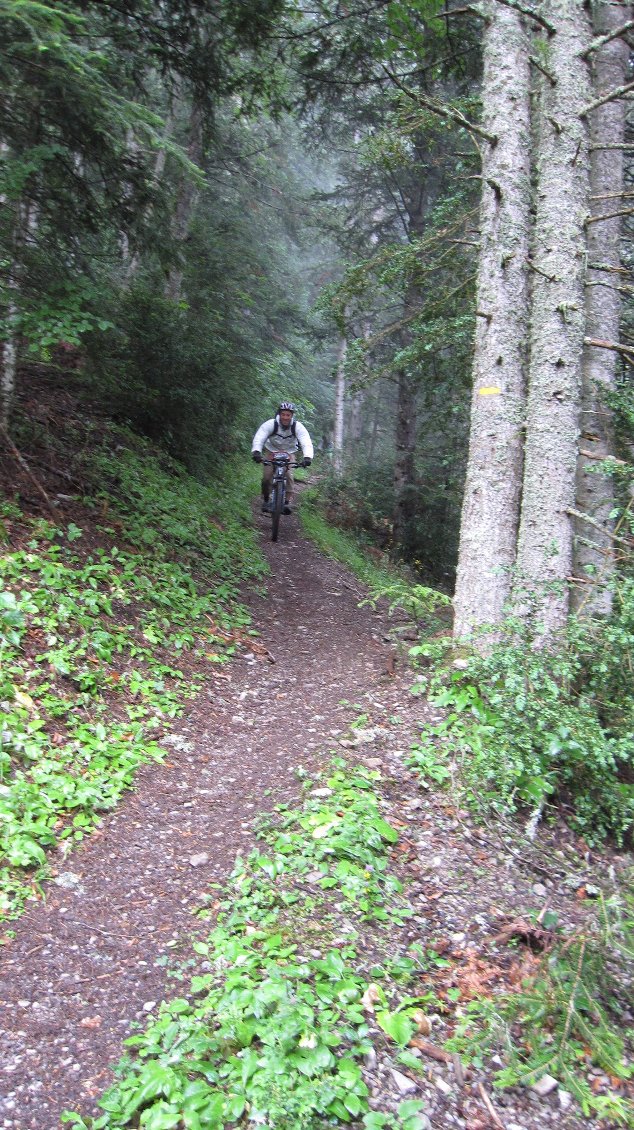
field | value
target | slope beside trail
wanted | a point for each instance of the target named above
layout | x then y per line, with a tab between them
88	963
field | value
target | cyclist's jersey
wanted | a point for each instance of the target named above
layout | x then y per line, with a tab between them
272	439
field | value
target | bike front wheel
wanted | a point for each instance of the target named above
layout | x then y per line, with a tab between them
278	506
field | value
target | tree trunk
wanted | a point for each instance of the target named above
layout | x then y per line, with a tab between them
594	560
340	394
131	260
25	217
405	443
558	325
490	513
186	200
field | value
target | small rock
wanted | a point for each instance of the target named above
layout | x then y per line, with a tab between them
544	1086
442	1085
199	860
406	1086
149	1005
540	890
320	792
565	1099
67	879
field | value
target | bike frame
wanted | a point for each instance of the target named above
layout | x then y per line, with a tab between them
281	463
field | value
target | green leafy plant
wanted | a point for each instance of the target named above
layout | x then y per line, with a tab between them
88	681
271	1032
527	728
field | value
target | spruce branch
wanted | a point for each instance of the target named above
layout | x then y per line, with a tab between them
601	40
611	96
540	67
531	13
598	148
438	108
609	216
627	352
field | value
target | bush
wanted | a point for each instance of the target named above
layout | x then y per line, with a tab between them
529	726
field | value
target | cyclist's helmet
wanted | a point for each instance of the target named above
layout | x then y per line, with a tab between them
286	406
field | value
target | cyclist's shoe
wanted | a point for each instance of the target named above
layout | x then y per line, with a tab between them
287	510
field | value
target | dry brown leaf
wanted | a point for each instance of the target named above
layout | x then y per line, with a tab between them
422	1022
371	997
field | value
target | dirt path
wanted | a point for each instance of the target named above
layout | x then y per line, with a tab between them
89	962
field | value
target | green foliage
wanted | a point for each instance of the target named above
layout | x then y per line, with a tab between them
529	727
418	602
88	643
164	509
566	1018
340	545
271	1033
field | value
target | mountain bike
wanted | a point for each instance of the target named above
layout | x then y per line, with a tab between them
277	498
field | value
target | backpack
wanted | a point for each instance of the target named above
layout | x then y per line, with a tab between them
276	428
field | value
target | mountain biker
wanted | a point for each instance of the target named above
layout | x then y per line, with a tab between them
282	433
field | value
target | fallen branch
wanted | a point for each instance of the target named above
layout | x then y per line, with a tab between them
489	1105
27	470
431	1050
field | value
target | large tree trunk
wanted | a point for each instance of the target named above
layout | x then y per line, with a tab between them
185	203
25	223
558	326
490	514
132	260
594	561
405	442
340	396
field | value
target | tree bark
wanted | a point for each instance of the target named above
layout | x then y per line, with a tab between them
557	326
405	443
490	513
185	203
340	395
25	222
594	556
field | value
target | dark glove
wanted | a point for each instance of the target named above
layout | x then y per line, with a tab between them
256	456
306	462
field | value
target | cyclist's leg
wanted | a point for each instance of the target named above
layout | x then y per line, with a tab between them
267	479
290	487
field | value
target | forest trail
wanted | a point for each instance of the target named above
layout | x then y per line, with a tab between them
89	962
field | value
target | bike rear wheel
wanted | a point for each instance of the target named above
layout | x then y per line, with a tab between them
278	506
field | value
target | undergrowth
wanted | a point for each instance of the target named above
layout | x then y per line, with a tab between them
383	579
566	1019
100	647
275	1030
525	729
